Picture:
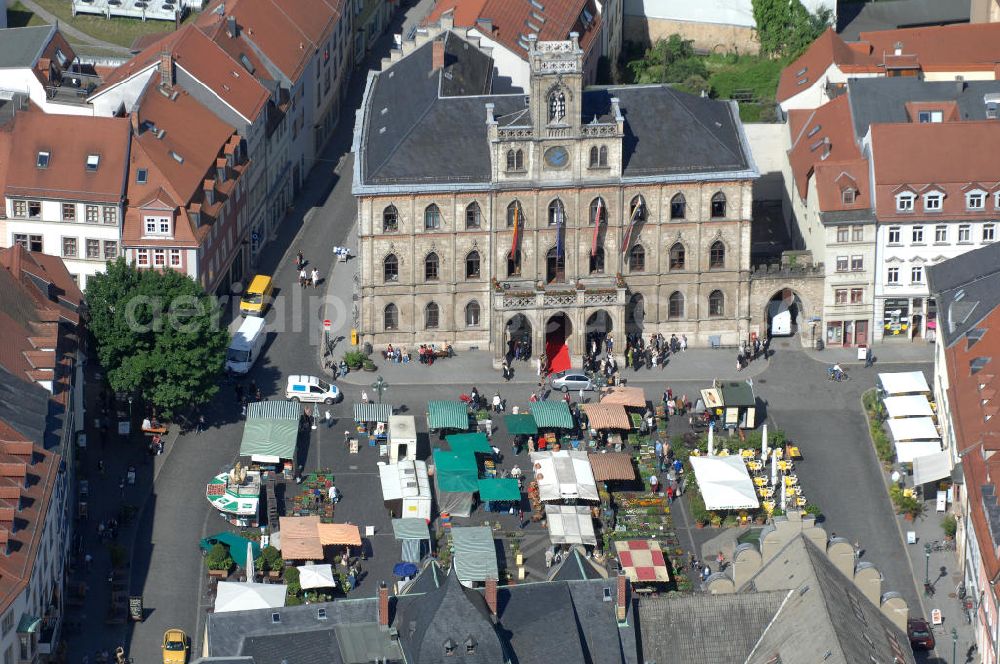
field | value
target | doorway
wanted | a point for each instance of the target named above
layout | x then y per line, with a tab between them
518	338
783	312
599	326
635	313
557	332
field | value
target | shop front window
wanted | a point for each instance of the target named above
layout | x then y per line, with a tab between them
896	316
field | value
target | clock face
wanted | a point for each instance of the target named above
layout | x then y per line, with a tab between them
557	157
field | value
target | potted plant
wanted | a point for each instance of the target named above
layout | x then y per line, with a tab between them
219	562
715	520
354	359
950	526
368	365
271	562
292	582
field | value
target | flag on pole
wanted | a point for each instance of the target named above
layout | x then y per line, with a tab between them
560	219
597	226
517	224
626	243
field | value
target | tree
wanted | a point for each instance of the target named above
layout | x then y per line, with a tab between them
157	335
785	28
671	60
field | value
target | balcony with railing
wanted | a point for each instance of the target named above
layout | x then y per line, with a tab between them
73	85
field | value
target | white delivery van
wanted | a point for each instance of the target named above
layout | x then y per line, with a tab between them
781	318
402	438
247	344
311	388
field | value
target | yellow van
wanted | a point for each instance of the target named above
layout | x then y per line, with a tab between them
256	297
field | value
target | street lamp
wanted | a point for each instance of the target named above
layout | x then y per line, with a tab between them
380	386
927	566
130	409
954	646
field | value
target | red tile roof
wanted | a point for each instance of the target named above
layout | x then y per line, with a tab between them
824	131
515	19
833	178
69	140
828	49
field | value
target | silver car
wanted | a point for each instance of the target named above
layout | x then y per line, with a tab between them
571	381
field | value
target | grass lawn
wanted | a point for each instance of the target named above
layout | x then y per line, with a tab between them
19	16
729	74
121	31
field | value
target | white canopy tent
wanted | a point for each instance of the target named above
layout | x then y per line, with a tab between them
903	382
912	428
406	489
724	482
931	467
911	405
233	596
908	452
570	524
316	576
564	475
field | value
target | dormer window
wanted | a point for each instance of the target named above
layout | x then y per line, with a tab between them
904	202
996	200
93	160
42	160
975	200
932	201
157	225
141	176
470	645
847	196
449	648
925	117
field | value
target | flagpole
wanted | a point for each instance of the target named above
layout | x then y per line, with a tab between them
597	227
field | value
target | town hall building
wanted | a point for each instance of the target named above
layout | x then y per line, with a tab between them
489	215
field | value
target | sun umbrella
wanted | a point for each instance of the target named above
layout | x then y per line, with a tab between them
783	492
774	468
404	570
711	439
763	443
249	567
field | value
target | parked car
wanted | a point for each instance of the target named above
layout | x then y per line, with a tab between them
921	636
571	380
175	646
311	388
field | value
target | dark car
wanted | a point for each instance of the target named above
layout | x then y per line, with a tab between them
921	636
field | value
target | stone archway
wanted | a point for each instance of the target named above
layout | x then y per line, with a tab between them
518	338
635	314
599	326
784	313
558	330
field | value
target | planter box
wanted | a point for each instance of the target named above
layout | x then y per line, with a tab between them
221	574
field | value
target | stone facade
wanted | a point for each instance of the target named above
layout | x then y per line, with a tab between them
714	37
445	263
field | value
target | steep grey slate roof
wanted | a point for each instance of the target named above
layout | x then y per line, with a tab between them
430	578
705	629
20	47
425	622
27	408
301	648
541	623
421	127
606	640
855	18
966	288
575	567
875	100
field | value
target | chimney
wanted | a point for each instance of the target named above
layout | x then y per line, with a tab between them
221	170
485	26
134	118
437	55
491	596
621	600
194	214
575	38
231	28
167	70
209	191
490	118
383	606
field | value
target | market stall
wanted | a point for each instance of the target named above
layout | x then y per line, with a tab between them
554	416
612	466
236	495
406	489
605	417
570	524
912	428
912	405
270	435
413	533
564	475
447	415
522	424
642	561
909	452
631	397
724	482
456	480
732	402
303	537
402	438
233	596
475	554
499	494
902	382
931	467
316	576
372	413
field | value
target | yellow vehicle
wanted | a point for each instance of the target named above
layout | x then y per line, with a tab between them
256	297
175	646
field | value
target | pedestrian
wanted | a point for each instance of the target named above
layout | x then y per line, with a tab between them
299	260
706	572
201	424
332	494
581	395
720	559
497	403
303	278
364	396
87	560
869	357
520	517
654	483
684	342
315	278
100	466
121	486
328	417
670	494
857	548
347	438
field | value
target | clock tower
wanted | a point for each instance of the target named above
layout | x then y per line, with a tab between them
550	140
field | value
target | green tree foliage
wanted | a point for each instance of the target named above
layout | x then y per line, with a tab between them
785	27
157	335
671	60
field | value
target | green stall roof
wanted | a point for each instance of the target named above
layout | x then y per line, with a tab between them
237	546
469	443
447	415
504	489
552	415
456	472
521	425
272	429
